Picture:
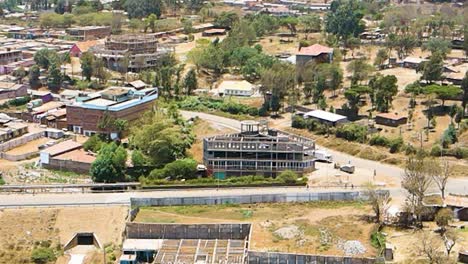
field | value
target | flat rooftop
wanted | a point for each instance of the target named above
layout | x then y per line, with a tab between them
100	102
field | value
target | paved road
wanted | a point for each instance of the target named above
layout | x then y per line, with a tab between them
454	185
107	199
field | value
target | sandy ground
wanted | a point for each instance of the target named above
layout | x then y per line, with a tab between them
342	221
28	147
21	229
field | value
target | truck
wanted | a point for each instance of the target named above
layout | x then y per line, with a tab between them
321	155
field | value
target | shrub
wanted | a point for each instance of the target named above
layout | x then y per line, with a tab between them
378	140
352	132
436	150
410	149
176	170
298	122
42	255
94	143
2	181
395	144
459	152
288	176
19	101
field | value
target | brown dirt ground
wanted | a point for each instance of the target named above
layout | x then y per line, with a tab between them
343	221
204	129
28	147
22	228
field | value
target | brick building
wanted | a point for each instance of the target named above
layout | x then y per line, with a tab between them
8	56
89	32
87	116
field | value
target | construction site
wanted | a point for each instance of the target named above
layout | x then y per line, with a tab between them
131	52
257	149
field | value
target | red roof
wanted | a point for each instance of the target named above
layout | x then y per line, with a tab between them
62	147
315	50
78	155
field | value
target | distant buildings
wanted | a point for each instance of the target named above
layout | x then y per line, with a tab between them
316	53
131	52
89	32
9	90
325	117
67	155
390	119
236	88
257	150
8	56
85	114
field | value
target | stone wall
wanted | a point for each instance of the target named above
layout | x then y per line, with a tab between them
187	231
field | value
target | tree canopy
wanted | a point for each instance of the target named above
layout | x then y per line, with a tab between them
110	164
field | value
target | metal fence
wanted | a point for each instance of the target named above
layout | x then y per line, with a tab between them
256	257
250	199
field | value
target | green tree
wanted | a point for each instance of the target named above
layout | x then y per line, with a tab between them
177	170
93	143
443	92
226	20
405	44
384	88
310	23
120	125
150	22
45	57
438	45
433	69
264	24
190	82
34	74
110	164
443	218
87	61
161	137
290	23
20	73
360	70
344	19
54	81
381	57
143	8
135	24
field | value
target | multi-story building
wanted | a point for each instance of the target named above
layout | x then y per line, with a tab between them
9	56
131	52
257	150
88	116
89	32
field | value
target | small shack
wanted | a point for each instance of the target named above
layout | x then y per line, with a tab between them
236	88
390	119
325	117
214	32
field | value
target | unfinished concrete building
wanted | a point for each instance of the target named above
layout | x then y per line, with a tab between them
257	150
131	52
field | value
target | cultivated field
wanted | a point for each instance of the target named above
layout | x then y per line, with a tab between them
313	228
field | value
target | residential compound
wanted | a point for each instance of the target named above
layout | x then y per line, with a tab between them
257	149
86	115
131	52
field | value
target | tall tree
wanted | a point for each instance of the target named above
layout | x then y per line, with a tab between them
110	164
433	69
310	23
87	61
438	45
190	82
360	69
143	8
55	79
464	86
443	92
384	88
440	176
344	19
34	74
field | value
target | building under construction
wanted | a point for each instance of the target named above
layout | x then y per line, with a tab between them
131	52
257	150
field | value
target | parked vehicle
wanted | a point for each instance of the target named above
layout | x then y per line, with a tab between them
347	168
321	155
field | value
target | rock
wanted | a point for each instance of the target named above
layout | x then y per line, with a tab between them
288	232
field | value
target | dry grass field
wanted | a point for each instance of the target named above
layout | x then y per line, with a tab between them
318	227
22	229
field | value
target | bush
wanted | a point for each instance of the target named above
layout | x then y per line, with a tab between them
395	144
298	122
229	106
378	140
410	149
94	143
177	170
436	151
288	176
458	152
42	255
352	132
19	101
2	181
